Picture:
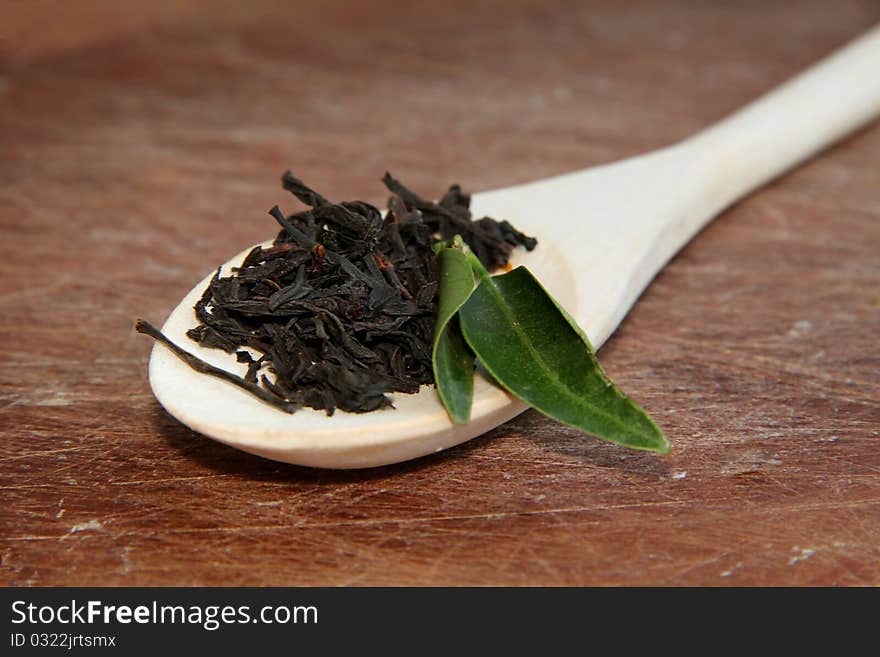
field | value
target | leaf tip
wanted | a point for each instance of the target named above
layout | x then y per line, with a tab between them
663	445
460	417
456	404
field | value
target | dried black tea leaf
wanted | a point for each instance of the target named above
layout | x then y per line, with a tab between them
340	310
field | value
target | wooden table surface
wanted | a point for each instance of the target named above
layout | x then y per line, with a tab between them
141	147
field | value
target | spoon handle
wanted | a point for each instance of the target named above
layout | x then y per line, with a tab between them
628	218
811	111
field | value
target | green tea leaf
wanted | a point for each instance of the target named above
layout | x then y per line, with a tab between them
537	352
452	359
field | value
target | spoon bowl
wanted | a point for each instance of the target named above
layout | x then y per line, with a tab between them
603	234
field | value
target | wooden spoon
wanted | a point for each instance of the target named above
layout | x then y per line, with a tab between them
603	234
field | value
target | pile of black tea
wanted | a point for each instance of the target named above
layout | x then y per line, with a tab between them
341	307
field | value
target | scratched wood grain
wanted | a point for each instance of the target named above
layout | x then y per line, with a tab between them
129	135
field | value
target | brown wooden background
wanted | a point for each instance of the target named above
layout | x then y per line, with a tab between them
141	144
